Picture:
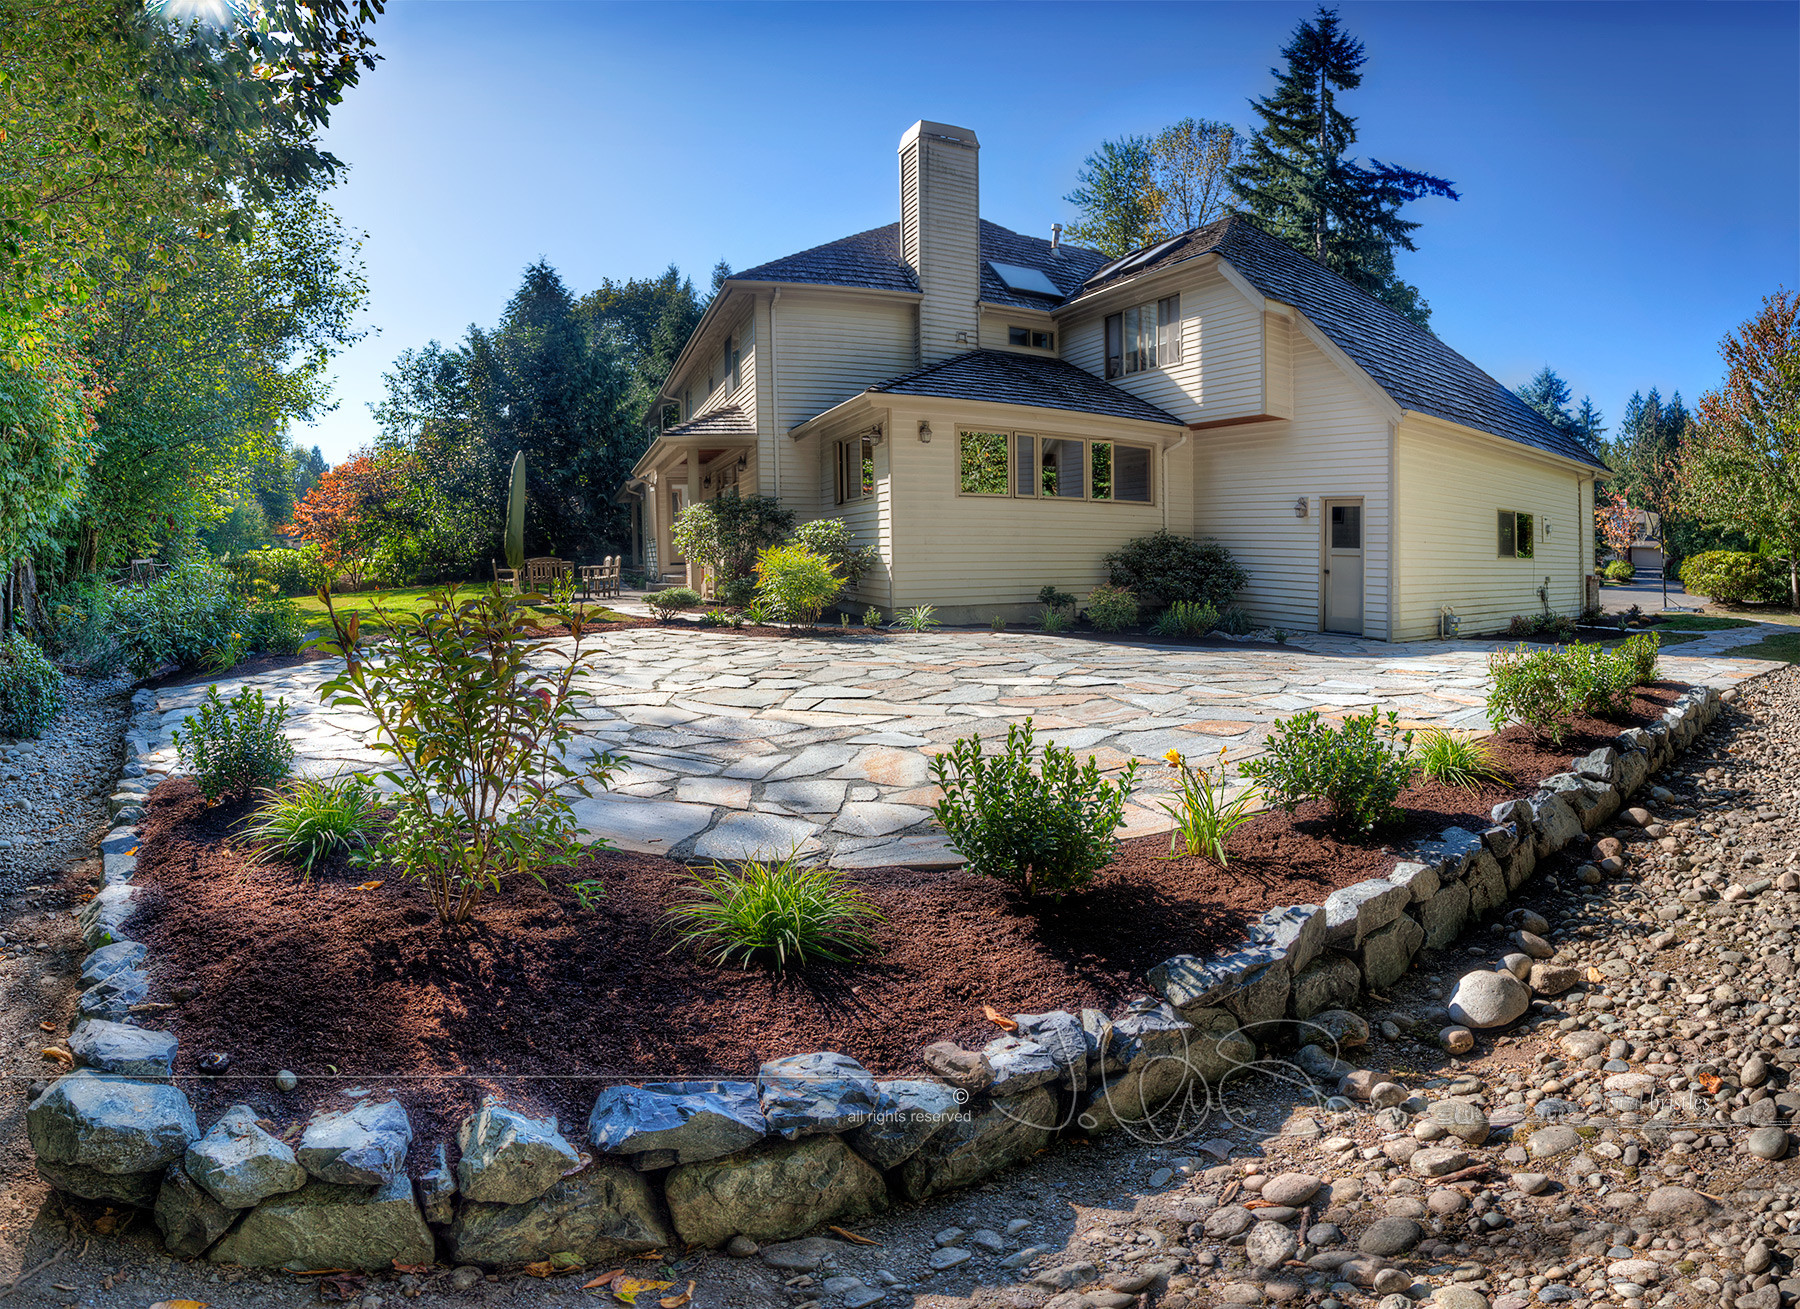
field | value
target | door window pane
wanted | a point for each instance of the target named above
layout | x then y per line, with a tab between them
983	463
1061	466
1101	463
1346	527
1131	473
1025	483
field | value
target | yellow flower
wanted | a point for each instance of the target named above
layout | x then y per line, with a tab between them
1174	758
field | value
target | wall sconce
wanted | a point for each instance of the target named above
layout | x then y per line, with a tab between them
924	432
962	338
876	436
707	480
1300	507
743	461
1546	527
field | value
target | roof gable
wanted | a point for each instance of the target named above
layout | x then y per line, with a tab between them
1037	381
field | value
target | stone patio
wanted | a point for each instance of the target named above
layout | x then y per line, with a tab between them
750	746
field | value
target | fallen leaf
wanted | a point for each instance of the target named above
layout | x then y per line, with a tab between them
677	1301
368	886
852	1237
1711	1081
46	1027
179	1304
604	1280
540	1269
998	1019
342	1286
1261	1204
417	1270
1595	975
105	1223
62	1056
628	1289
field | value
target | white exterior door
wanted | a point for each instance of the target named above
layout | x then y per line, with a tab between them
1343	576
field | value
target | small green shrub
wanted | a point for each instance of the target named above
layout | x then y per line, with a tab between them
1186	618
1051	598
665	604
1054	621
917	619
998	624
275	627
762	612
233	747
1235	620
779	912
1530	687
834	539
31	688
799	580
1112	608
1620	570
1454	759
1735	577
1204	818
1038	821
871	617
1357	769
1163	568
722	618
1641	653
310	820
186	617
1601	682
1280	635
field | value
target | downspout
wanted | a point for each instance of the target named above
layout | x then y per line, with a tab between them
775	391
1164	475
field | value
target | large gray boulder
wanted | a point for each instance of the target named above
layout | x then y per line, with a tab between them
1556	822
189	1219
1388	952
1138	1095
239	1164
110	959
364	1145
917	1112
1489	999
1060	1035
103	918
969	1149
1444	914
807	1094
114	997
137	1189
111	1124
109	1047
774	1192
1328	983
508	1158
324	1225
604	1212
667	1123
1352	912
1019	1065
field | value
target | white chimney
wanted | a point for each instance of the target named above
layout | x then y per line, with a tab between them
1056	236
940	233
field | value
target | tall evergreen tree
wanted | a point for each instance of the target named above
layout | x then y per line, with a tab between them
1299	180
1549	395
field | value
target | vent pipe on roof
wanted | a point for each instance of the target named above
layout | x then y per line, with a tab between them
1056	236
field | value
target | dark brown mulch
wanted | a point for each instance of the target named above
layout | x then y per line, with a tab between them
549	1002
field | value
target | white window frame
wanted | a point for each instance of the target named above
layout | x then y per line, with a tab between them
1515	514
1014	440
1141	350
849	457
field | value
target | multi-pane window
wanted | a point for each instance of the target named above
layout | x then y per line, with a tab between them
1144	337
734	363
1053	467
855	470
1518	535
1031	337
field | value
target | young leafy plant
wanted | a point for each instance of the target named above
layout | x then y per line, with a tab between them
234	747
799	580
31	688
312	819
665	604
1111	609
1455	759
478	712
1204	817
1039	821
1358	769
1186	618
917	619
779	912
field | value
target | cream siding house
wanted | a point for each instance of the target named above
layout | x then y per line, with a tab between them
995	412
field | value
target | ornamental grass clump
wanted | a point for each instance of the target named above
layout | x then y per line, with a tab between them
1186	618
781	913
1456	759
1037	820
233	747
1358	769
313	819
478	710
1205	814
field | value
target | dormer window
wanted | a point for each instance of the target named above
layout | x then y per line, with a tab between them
1030	338
1144	337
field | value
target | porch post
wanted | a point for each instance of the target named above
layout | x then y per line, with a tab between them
693	498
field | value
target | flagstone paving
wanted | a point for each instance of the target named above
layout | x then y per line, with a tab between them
750	746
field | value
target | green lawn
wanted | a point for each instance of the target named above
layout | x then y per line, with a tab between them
1698	623
402	600
1784	649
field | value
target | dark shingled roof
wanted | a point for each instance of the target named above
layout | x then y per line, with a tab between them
726	420
1067	266
1018	379
1414	367
870	258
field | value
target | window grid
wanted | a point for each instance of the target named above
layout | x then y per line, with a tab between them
1025	465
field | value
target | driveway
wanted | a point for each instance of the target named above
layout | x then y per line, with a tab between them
750	746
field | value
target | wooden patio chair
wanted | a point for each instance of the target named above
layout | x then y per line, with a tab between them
541	572
505	576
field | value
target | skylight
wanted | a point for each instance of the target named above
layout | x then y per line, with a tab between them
1029	280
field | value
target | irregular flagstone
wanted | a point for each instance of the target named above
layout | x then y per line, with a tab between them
324	1225
757	836
642	826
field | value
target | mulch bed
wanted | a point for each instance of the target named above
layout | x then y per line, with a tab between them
549	1002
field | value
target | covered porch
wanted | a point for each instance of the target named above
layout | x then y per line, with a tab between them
694	461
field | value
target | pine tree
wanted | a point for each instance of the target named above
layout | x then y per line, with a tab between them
1299	181
1550	396
1116	197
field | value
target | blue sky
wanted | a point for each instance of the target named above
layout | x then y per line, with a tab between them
1630	173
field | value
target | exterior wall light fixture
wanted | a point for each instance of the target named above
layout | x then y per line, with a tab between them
924	432
1300	507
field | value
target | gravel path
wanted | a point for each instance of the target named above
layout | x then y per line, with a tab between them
53	790
1610	1149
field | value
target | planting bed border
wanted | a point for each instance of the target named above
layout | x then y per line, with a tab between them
810	1139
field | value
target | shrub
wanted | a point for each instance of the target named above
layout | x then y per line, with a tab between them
1530	687
187	616
1204	818
31	689
667	603
1186	618
871	617
274	627
780	912
1235	620
800	581
290	572
762	612
998	624
233	747
1641	652
1039	822
1600	681
833	539
1051	598
737	592
917	619
727	532
479	713
1735	577
721	618
1620	570
1280	635
1454	760
1357	769
1054	620
79	627
1163	568
1112	608
310	820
